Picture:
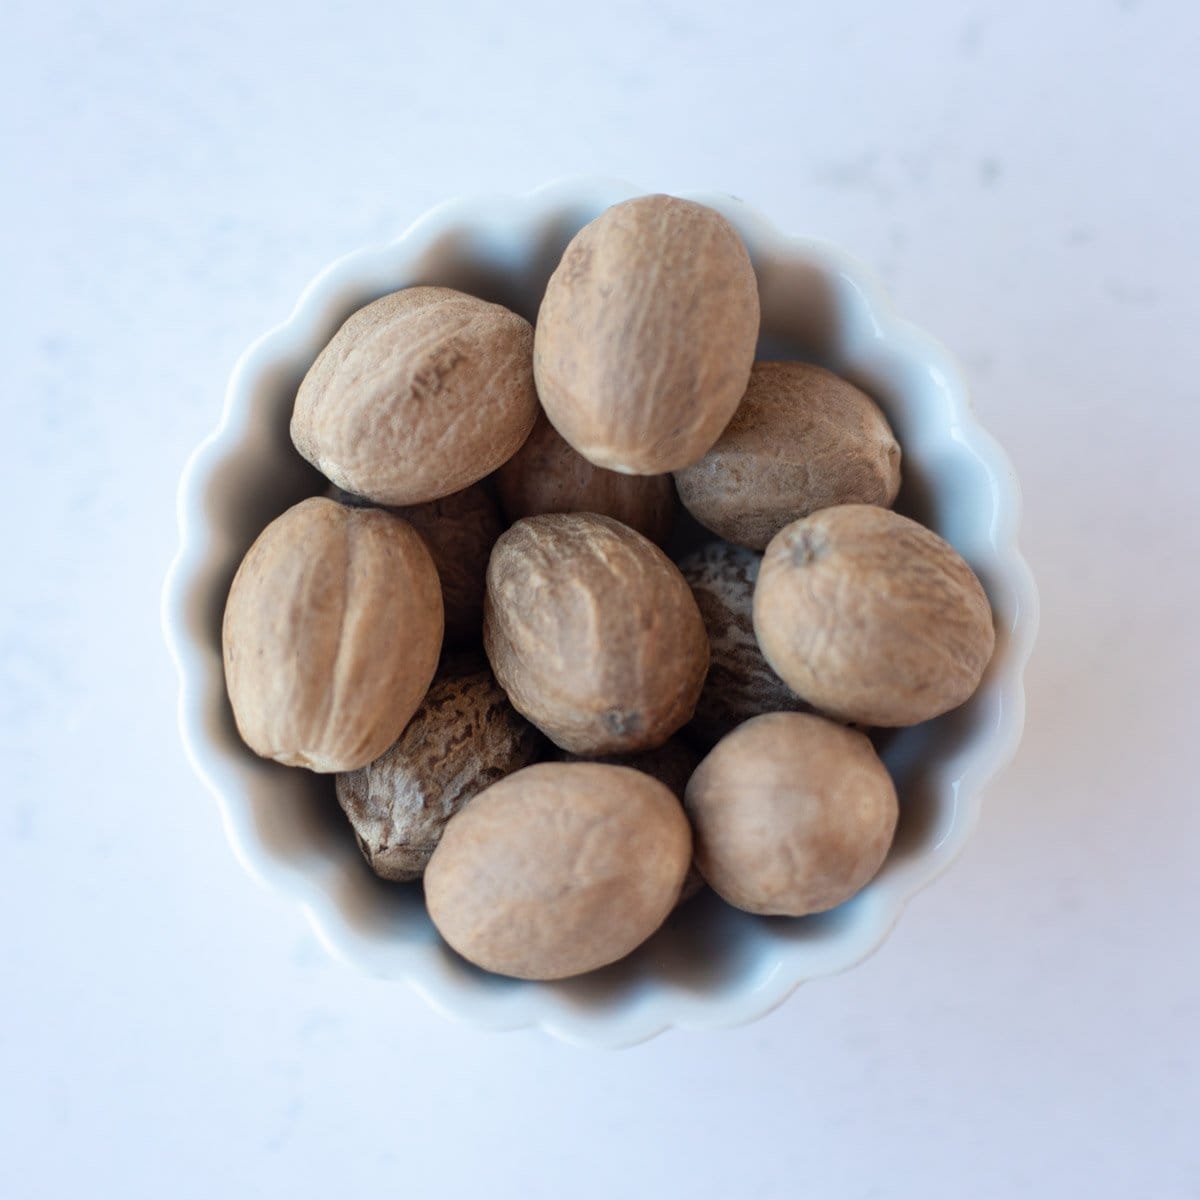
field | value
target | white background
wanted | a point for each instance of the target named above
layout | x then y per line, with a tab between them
1025	177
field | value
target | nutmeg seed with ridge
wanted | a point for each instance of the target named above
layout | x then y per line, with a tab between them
593	633
332	632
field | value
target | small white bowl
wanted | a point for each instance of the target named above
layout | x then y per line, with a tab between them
710	965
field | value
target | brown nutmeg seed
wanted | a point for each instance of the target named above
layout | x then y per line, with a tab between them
593	633
802	439
331	635
418	395
558	869
871	617
646	335
792	813
464	737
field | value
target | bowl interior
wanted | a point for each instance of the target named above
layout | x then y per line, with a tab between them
286	825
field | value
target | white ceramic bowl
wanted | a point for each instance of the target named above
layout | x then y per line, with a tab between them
710	965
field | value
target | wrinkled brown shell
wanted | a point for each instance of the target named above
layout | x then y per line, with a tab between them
593	633
646	335
418	395
671	764
740	684
331	635
559	869
792	813
871	617
802	439
463	738
546	475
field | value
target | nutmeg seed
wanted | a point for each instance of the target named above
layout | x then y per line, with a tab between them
646	335
802	439
464	737
418	395
331	635
871	617
792	813
558	869
593	633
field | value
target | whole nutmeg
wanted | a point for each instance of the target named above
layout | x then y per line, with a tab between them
671	764
547	476
871	617
593	633
331	635
464	737
792	814
802	439
646	335
418	395
740	684
558	869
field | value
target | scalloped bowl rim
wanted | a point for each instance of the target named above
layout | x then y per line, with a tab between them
664	1007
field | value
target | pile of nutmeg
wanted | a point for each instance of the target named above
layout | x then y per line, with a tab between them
524	699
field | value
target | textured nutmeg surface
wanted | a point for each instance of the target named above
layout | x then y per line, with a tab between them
418	395
558	869
459	531
740	683
792	813
671	764
464	737
646	335
331	635
593	633
871	617
802	439
547	476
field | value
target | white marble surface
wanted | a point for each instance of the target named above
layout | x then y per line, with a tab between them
1023	175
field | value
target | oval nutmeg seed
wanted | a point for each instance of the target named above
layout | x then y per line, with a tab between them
547	476
464	737
646	335
331	635
871	617
593	633
792	814
740	683
802	439
558	869
418	395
